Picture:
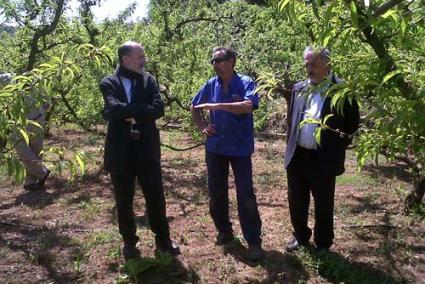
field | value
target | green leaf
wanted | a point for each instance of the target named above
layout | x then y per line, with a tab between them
35	123
403	27
388	13
354	17
25	136
80	161
318	134
325	120
390	75
282	4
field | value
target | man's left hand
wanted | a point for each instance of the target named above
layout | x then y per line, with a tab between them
207	106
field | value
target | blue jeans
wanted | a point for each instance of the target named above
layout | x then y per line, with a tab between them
218	188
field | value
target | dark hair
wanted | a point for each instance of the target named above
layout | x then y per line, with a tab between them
126	48
228	52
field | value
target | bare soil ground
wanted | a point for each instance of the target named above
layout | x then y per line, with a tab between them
69	234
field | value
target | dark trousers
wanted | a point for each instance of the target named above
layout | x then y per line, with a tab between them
304	176
218	175
149	176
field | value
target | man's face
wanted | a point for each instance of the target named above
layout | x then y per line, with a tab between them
317	68
135	60
223	66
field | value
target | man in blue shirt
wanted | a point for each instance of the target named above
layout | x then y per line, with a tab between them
230	99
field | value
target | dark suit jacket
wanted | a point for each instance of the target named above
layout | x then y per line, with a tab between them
146	106
331	150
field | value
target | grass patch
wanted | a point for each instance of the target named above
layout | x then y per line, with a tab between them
355	180
137	267
99	238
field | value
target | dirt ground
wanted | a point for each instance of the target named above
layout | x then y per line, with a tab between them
69	234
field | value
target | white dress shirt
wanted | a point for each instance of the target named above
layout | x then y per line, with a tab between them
127	87
312	109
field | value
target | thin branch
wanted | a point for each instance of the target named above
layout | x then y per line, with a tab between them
385	7
46	30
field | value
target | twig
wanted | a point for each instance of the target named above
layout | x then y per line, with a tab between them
370	226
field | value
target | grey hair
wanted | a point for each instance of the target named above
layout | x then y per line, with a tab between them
324	53
126	48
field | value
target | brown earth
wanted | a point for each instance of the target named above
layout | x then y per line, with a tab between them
68	234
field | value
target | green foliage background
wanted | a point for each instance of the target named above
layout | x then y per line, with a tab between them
379	51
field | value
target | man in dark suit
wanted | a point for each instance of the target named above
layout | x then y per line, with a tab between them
132	148
313	157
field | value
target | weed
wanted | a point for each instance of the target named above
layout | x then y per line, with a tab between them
115	252
136	267
102	237
91	208
355	180
418	211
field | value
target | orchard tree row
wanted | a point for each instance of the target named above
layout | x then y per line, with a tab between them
378	47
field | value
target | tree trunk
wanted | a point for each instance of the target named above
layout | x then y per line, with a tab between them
416	196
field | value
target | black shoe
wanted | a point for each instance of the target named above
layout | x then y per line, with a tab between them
167	247
255	252
129	251
33	187
322	249
294	245
224	238
42	181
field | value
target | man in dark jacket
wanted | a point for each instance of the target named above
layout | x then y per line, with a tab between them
132	148
314	156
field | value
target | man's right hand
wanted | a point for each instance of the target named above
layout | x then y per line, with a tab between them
209	130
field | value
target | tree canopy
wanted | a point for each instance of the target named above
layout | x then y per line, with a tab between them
378	49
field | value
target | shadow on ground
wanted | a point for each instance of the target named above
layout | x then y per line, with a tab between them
281	268
50	251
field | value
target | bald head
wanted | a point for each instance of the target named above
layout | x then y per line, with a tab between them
131	55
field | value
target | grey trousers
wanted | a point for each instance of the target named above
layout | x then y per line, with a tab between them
30	155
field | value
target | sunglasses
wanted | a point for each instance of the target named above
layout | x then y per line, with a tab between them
219	60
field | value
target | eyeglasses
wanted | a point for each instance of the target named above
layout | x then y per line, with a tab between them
219	60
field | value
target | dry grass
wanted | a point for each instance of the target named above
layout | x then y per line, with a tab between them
69	233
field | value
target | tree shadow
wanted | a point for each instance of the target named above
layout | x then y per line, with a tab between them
44	247
366	204
401	171
40	199
387	245
337	269
281	268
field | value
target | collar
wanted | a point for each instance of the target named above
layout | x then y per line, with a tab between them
127	73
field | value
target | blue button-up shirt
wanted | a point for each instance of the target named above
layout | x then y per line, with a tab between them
234	132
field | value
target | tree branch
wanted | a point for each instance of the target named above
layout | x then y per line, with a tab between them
385	7
46	30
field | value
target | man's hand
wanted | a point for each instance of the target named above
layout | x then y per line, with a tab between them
209	130
130	119
207	106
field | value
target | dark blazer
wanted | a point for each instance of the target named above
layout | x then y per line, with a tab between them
331	151
145	107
